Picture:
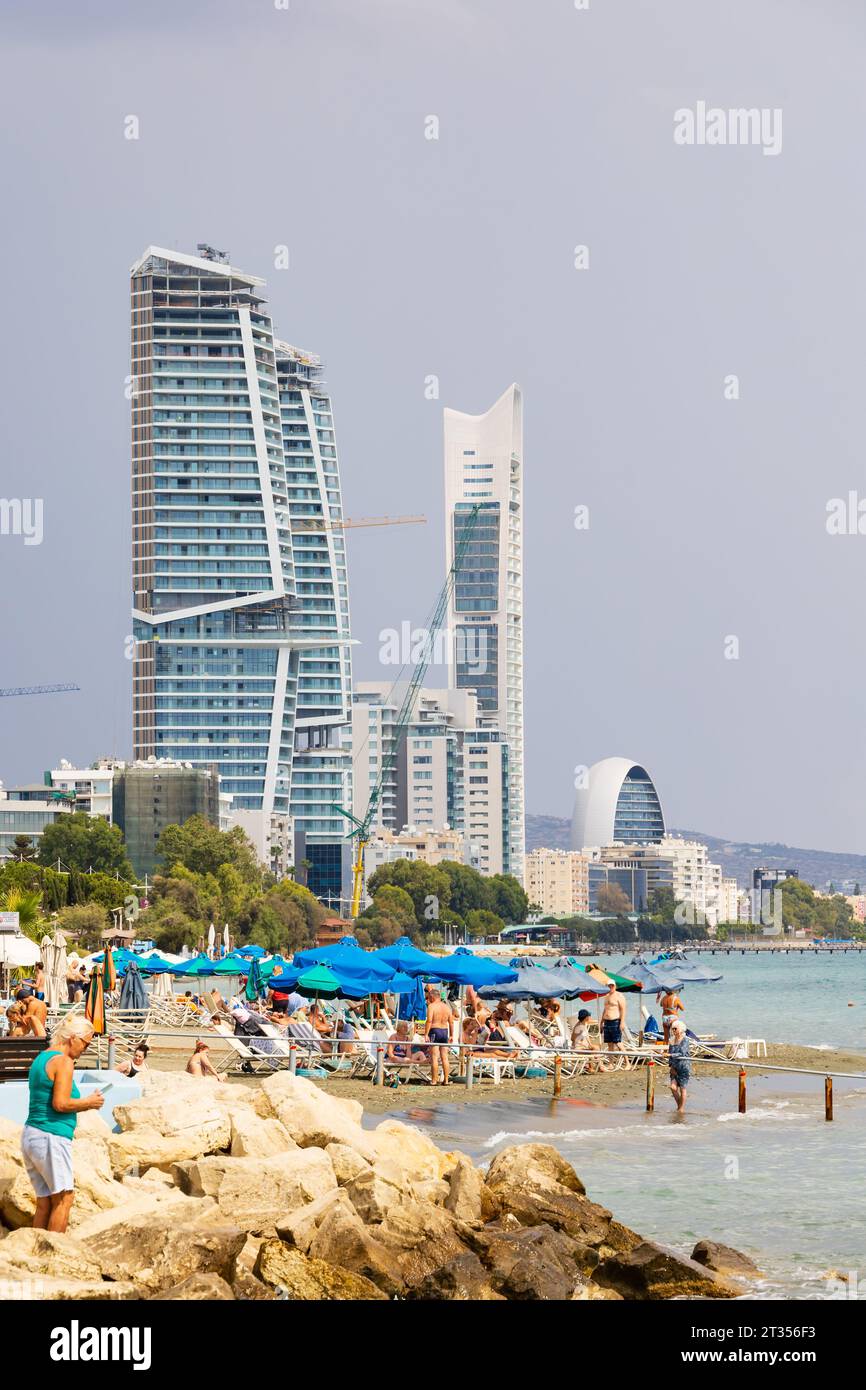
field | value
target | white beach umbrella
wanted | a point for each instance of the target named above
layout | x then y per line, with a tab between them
211	938
226	937
162	987
18	951
56	964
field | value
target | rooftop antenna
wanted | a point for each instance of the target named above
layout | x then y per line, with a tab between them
209	253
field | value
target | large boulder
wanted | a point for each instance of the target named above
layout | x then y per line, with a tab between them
533	1165
463	1279
374	1191
134	1151
419	1158
194	1122
347	1162
256	1192
156	1205
534	1183
649	1271
421	1238
201	1177
253	1137
301	1277
724	1259
314	1118
36	1254
158	1254
532	1263
342	1240
469	1199
299	1227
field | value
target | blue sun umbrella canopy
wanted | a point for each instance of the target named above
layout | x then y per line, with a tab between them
413	1004
203	965
157	965
404	955
351	984
462	968
351	963
654	977
534	983
257	951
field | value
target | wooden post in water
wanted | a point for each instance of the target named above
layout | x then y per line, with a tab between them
380	1064
742	1096
470	1071
557	1076
651	1085
828	1097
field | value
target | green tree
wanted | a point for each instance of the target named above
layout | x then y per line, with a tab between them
27	903
85	842
482	922
428	886
85	921
23	848
662	904
508	900
203	849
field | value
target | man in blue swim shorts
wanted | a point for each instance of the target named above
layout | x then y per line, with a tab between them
612	1018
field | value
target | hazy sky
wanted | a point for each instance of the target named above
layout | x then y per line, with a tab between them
455	257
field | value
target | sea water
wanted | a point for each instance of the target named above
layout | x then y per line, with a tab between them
779	1183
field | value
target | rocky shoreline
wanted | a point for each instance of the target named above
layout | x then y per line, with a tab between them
224	1191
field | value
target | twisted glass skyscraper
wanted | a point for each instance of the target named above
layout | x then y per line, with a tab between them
222	631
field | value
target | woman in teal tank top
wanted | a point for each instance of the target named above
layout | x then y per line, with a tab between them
46	1140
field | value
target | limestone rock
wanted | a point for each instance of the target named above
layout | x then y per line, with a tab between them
587	1292
199	1288
342	1240
35	1254
373	1193
45	1289
195	1121
256	1192
650	1272
133	1151
299	1227
158	1254
724	1259
248	1289
417	1156
347	1162
95	1189
301	1277
533	1263
155	1204
468	1197
534	1165
463	1279
312	1117
253	1137
421	1238
201	1177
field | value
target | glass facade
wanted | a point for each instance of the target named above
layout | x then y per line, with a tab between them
638	818
240	587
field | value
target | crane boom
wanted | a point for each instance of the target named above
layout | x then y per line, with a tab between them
361	830
37	689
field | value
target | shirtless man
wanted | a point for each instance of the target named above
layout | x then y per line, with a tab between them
612	1018
671	1005
34	1014
439	1035
200	1064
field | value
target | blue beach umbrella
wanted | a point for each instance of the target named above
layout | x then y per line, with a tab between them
413	1005
462	968
350	963
530	983
687	972
404	955
132	992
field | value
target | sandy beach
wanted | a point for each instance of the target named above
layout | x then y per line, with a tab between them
598	1088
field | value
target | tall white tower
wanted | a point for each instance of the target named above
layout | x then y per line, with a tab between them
484	467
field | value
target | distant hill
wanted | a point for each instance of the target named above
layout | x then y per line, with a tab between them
738	858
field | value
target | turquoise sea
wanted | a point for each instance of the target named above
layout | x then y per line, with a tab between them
779	1182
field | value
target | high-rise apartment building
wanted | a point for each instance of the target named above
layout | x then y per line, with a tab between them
321	774
219	475
557	881
449	770
484	469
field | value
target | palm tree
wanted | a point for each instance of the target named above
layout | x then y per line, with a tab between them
28	905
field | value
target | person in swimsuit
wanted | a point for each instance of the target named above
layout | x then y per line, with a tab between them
671	1005
438	1034
612	1018
400	1048
137	1064
35	1013
678	1058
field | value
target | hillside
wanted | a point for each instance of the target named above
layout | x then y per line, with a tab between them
738	858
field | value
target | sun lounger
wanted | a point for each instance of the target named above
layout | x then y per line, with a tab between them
537	1052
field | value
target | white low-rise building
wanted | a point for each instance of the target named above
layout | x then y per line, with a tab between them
557	881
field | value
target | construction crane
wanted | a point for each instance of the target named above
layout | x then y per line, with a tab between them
361	831
315	523
38	689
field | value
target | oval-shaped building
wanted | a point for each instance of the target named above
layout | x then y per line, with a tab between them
618	805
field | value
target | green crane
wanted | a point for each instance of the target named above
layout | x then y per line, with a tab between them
361	831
